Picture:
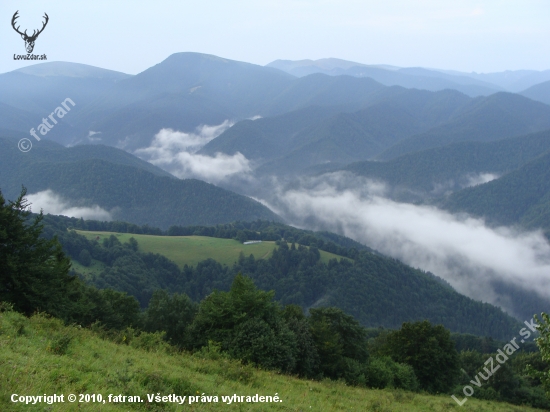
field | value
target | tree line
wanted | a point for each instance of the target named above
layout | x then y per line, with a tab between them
248	323
376	290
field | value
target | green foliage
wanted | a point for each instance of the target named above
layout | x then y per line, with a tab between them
85	258
60	344
376	290
221	312
243	300
249	325
543	342
34	272
338	338
34	276
429	350
383	372
241	236
151	342
307	360
133	244
507	382
172	314
92	364
272	346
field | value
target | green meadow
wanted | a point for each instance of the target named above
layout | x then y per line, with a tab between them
39	355
191	250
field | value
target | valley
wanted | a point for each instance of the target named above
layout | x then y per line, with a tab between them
231	210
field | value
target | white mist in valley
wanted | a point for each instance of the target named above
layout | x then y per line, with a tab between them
463	250
50	202
473	257
480	178
175	152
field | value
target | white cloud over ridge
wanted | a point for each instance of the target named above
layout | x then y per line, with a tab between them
52	203
175	152
479	179
463	250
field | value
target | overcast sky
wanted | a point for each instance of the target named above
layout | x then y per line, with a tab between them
130	36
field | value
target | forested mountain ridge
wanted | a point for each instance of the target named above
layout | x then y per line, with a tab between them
187	90
244	324
495	117
393	122
316	135
373	288
470	83
417	78
434	171
124	186
520	197
539	92
48	151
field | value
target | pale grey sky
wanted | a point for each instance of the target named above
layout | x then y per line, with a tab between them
130	36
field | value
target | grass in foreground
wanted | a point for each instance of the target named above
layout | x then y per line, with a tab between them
191	250
41	356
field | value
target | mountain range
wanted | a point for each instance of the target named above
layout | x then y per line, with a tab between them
120	185
462	142
290	118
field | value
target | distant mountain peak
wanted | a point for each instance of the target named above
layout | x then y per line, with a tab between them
329	63
68	69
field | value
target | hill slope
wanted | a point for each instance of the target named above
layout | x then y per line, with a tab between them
456	165
375	289
495	117
316	135
128	189
392	122
190	250
521	196
539	92
416	78
142	367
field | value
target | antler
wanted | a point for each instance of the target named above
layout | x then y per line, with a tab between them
35	35
15	17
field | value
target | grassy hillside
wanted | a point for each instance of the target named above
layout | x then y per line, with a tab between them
41	356
190	250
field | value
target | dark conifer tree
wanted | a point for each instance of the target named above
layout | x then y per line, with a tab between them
34	272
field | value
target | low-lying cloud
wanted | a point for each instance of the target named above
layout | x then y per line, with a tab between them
93	139
51	203
479	179
175	152
463	250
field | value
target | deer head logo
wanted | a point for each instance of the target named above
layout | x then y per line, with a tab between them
29	40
